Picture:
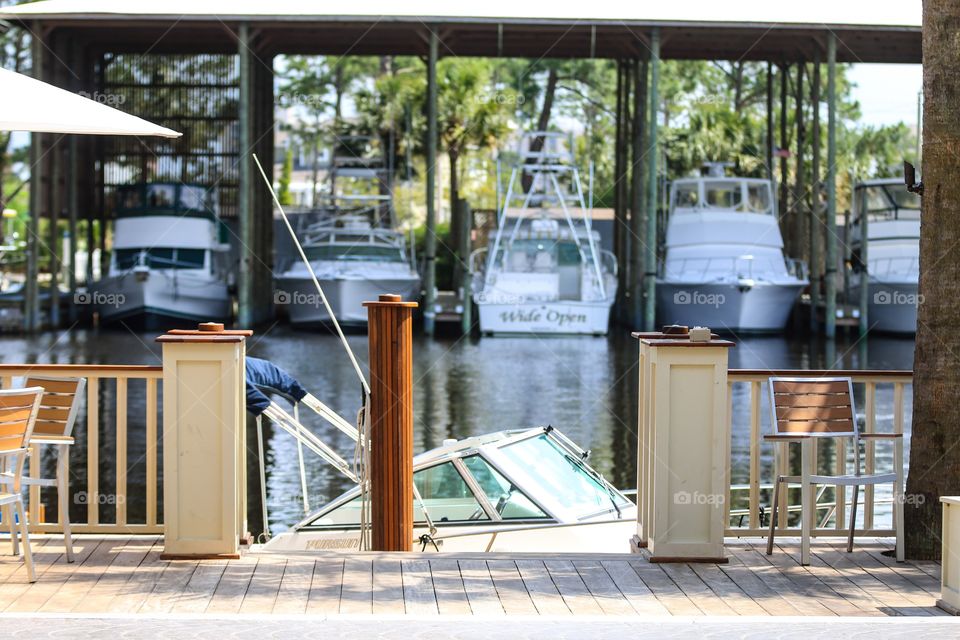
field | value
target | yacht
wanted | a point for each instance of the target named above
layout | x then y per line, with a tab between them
518	490
891	215
724	265
354	261
169	261
543	270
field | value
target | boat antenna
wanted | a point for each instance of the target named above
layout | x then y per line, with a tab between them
323	297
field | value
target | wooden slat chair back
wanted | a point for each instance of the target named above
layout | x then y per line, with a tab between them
56	416
18	413
805	409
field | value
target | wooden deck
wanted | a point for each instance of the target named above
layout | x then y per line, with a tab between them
126	575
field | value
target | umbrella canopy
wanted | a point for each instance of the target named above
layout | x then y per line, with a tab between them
32	105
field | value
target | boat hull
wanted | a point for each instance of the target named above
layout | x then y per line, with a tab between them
891	306
157	300
346	297
560	317
727	307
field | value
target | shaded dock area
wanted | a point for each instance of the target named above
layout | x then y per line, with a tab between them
125	575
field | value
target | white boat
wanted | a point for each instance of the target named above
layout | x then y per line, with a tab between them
354	262
893	253
543	271
724	265
169	261
521	490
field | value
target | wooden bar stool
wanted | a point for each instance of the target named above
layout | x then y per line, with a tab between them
18	414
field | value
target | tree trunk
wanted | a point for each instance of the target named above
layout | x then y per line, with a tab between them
536	145
453	155
314	170
934	450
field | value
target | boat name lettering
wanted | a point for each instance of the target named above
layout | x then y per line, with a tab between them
551	316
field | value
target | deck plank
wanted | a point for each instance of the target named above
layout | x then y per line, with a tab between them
725	589
127	557
510	588
14	571
326	585
77	586
544	593
140	582
261	595
356	594
294	586
448	585
602	588
572	588
169	585
480	589
773	602
232	588
887	599
636	593
56	572
665	589
908	571
754	559
197	595
697	590
419	596
387	586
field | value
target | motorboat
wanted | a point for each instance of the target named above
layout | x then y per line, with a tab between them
169	261
891	216
543	270
354	261
724	265
515	490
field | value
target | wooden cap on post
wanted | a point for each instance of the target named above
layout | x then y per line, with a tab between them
390	335
206	332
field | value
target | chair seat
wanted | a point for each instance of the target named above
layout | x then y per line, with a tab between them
9	498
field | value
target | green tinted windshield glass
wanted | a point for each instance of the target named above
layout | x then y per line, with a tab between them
358	253
561	473
507	499
445	495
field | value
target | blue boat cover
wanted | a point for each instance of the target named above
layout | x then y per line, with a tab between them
264	377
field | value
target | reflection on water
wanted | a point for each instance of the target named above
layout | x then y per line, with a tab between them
587	387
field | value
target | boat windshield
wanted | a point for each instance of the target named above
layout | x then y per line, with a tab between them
722	195
354	253
729	195
160	258
541	256
507	499
888	202
562	474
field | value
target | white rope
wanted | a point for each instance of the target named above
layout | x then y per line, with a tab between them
323	297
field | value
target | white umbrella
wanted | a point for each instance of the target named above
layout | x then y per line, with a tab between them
32	105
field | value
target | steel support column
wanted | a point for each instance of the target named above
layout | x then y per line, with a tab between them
830	309
798	223
245	208
815	234
430	238
638	213
650	304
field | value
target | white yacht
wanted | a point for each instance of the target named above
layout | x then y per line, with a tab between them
354	261
169	261
724	266
522	490
543	270
892	216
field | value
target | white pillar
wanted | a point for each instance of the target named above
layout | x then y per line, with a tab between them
684	448
950	556
204	461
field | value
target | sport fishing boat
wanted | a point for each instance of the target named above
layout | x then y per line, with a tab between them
354	261
169	260
724	265
520	490
543	271
891	216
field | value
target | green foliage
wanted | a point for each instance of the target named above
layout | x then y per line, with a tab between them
283	193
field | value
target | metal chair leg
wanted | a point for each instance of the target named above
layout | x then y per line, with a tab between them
27	553
63	497
853	519
773	515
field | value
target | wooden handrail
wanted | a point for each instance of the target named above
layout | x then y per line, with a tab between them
861	374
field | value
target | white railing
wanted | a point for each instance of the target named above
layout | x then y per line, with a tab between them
831	504
12	375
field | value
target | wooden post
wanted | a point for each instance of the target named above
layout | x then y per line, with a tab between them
390	327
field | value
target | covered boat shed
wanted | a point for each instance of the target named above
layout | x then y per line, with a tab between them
76	42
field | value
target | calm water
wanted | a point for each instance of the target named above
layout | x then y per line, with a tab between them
584	386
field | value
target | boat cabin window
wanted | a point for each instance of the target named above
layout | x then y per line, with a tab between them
129	198
758	198
888	201
686	196
562	474
354	253
160	258
161	195
193	198
446	496
541	256
507	499
723	195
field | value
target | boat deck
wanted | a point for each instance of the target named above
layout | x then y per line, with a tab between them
116	575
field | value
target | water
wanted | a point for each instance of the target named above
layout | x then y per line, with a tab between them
587	387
